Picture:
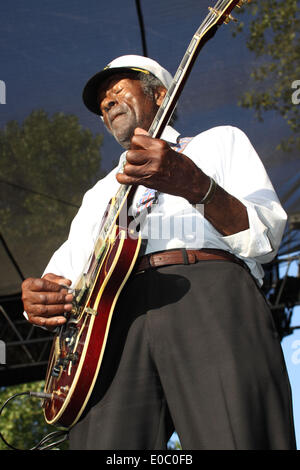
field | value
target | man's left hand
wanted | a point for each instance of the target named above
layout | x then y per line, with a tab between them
152	163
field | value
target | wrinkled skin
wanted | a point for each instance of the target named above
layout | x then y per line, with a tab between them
46	301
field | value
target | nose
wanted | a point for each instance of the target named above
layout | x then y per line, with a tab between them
107	105
109	101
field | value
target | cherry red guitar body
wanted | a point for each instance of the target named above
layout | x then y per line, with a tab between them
79	346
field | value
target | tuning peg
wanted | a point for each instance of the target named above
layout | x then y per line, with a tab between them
230	18
227	18
243	2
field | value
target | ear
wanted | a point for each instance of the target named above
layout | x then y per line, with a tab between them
159	95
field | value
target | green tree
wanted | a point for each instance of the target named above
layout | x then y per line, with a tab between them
22	421
274	38
46	164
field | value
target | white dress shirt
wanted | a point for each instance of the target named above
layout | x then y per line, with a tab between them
224	153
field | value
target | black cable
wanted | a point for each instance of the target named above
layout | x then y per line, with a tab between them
18	186
142	27
9	254
44	442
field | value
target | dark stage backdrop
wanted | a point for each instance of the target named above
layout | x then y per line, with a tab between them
49	49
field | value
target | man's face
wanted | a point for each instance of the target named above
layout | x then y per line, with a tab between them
124	107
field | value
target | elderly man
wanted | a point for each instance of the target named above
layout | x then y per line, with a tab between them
192	345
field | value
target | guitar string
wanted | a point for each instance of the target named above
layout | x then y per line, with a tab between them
123	189
165	106
210	19
219	7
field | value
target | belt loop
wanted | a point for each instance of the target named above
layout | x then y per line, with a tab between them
185	256
149	260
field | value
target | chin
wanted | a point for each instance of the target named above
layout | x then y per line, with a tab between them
124	140
125	145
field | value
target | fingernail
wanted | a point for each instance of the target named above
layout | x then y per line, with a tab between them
70	289
68	307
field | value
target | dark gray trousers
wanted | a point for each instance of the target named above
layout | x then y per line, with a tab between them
191	348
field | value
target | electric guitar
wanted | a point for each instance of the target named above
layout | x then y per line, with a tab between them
79	345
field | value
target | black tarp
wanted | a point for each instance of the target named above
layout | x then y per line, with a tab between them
49	49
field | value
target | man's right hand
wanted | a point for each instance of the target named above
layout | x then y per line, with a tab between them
46	300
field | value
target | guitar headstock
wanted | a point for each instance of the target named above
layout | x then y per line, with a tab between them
219	14
222	10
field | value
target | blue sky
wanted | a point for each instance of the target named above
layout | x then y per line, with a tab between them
291	350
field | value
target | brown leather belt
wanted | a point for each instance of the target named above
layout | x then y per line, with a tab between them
183	256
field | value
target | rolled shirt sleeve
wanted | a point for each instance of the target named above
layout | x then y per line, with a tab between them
249	182
262	240
233	162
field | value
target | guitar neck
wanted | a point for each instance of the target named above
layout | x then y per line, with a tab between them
217	15
171	98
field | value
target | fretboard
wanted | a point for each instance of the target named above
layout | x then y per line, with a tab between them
217	15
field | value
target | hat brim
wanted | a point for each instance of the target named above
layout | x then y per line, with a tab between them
90	91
